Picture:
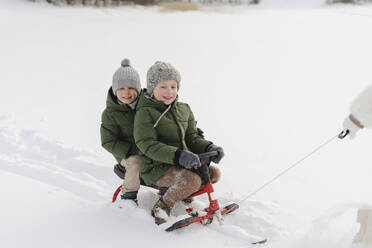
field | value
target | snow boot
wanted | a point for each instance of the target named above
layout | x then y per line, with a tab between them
132	195
162	190
160	211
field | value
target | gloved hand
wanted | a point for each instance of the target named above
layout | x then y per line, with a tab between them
189	160
221	154
351	126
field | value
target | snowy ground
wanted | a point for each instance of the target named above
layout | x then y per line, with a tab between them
269	83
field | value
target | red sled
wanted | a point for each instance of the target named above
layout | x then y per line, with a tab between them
213	210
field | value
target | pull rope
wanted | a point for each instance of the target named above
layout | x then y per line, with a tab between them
289	168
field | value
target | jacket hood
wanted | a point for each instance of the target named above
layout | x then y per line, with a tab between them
147	101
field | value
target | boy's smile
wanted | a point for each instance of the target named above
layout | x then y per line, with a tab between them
166	91
126	95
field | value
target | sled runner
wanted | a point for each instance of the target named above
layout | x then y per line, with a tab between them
206	216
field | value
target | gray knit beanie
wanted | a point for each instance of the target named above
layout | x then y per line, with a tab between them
126	76
160	72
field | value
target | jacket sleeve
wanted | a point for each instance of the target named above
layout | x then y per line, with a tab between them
147	141
110	133
194	141
361	107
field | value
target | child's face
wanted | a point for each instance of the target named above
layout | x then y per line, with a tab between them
166	91
126	95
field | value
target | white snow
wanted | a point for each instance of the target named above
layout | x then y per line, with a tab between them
269	83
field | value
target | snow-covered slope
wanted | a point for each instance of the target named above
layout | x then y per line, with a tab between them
268	84
52	195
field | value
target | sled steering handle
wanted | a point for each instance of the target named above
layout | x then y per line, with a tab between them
203	169
207	154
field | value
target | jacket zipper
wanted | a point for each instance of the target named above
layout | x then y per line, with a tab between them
179	129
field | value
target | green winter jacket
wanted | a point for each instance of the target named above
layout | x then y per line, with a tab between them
117	127
176	129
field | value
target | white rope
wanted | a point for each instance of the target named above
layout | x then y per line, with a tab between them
289	168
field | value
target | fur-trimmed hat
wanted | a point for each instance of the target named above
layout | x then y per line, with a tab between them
126	76
160	72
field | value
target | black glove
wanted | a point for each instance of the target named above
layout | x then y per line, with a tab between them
133	150
188	160
221	154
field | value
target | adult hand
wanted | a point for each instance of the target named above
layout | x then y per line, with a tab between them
352	125
189	160
221	154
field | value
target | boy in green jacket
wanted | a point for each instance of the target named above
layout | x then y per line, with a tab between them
117	126
166	134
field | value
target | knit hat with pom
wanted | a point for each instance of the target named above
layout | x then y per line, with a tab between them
126	76
160	72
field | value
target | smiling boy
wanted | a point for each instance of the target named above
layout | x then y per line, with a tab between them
117	126
165	131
